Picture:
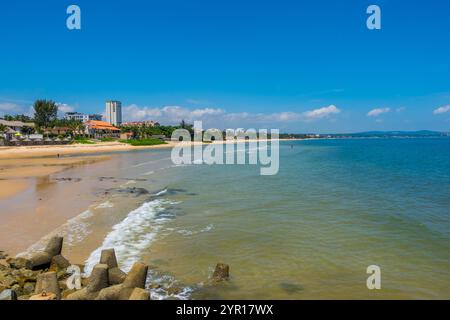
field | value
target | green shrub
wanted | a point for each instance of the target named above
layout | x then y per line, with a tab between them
108	139
83	140
143	142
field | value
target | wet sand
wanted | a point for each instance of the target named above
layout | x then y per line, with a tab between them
9	188
36	196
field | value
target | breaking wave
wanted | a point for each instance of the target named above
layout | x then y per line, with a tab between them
134	234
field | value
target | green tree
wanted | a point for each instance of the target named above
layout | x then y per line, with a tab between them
18	117
45	112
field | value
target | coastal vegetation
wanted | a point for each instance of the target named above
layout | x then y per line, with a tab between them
107	139
143	142
83	140
146	131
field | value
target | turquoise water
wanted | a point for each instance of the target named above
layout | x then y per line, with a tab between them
311	231
336	207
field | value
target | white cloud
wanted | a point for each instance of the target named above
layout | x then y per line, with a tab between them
321	113
63	108
377	112
9	107
216	117
169	114
442	110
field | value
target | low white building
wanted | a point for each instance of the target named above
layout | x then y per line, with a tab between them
82	116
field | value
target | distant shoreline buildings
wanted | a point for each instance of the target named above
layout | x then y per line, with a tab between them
147	123
95	127
82	116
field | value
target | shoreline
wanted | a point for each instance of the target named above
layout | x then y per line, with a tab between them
24	152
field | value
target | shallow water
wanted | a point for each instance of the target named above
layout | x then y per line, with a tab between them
335	207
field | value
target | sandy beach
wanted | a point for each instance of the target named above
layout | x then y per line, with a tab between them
17	164
72	149
80	149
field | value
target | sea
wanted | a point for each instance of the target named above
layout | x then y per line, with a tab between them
335	208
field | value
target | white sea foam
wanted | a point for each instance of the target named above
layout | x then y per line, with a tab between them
160	193
165	281
133	235
105	205
149	173
148	162
193	232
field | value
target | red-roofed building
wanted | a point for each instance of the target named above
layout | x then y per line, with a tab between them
101	129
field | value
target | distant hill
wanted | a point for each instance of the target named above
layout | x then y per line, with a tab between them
393	134
369	134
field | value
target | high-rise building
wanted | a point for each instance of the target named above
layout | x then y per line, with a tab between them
114	112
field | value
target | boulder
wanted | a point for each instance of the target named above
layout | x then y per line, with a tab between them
108	257
8	280
3	264
8	294
82	294
28	288
19	263
136	278
28	275
48	283
173	290
17	289
98	280
110	293
54	246
40	260
43	259
66	293
116	276
139	294
58	262
221	273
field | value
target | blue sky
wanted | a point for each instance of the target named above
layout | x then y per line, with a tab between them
295	65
